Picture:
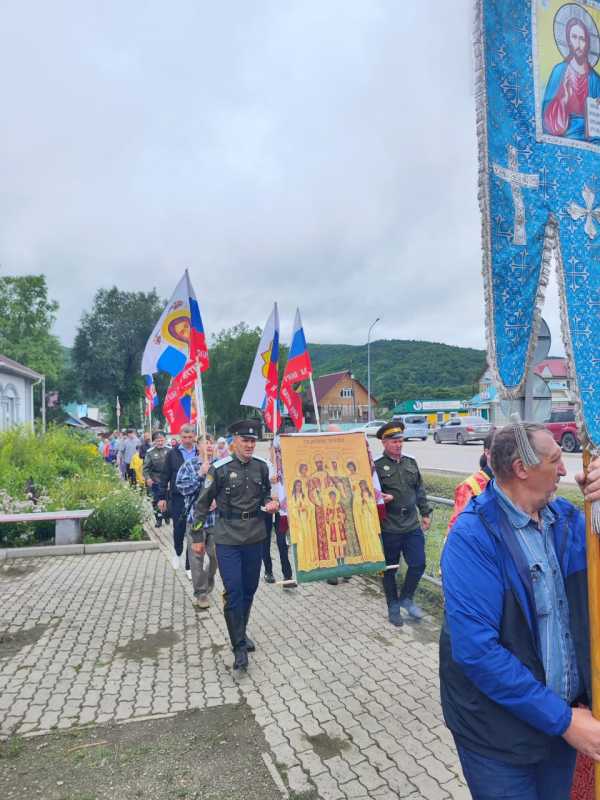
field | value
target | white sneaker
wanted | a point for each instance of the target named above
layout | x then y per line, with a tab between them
188	572
175	562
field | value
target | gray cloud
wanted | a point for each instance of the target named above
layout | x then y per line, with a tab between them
319	154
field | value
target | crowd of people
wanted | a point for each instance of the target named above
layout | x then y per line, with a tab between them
514	647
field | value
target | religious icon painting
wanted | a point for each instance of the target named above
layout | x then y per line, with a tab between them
566	49
332	510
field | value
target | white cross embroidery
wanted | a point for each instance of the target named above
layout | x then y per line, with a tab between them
589	212
518	181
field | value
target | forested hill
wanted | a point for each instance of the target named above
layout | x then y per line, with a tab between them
406	370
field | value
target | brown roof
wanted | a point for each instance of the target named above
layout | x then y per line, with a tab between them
15	368
327	382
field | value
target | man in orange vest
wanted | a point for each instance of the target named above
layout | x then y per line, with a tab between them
474	484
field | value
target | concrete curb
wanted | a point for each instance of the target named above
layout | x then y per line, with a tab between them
10	553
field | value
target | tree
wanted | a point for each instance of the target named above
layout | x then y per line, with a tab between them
232	354
109	345
26	319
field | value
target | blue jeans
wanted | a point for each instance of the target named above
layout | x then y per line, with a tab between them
550	779
411	545
239	566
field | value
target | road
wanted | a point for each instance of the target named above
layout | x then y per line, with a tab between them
450	457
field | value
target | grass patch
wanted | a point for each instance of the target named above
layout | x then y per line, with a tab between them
12	747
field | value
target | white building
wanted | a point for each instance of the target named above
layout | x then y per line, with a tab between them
16	393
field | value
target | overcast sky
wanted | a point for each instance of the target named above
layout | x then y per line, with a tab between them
321	153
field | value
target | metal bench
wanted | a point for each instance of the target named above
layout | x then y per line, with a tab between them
68	523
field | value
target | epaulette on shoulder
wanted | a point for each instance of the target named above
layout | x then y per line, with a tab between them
222	461
258	458
381	457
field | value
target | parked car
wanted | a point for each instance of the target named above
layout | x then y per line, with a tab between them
462	430
371	428
562	426
415	425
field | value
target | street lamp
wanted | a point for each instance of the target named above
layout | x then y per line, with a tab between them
369	368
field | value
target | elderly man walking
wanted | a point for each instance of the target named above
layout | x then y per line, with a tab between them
514	654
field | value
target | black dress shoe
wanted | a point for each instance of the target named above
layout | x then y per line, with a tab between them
269	577
250	646
241	660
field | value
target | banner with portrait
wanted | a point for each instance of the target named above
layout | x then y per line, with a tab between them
538	124
331	505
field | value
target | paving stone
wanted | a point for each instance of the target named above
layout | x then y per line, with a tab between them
311	762
298	781
429	787
327	787
353	790
372	706
340	770
368	776
398	782
457	790
283	754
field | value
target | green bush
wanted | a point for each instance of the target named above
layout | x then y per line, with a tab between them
68	473
117	516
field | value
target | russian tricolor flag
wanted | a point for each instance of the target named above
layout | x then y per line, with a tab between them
297	369
262	388
151	395
198	348
178	336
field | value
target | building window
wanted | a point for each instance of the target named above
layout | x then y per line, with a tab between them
346	392
9	407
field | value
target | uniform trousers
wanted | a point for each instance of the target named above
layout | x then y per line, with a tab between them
282	546
239	566
411	545
177	514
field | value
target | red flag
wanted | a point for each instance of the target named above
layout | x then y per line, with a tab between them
179	408
297	369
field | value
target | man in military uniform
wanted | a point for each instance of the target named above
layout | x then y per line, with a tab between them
401	532
240	485
154	463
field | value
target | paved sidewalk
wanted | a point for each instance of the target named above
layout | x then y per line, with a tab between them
348	704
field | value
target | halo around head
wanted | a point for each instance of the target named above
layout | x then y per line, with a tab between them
561	19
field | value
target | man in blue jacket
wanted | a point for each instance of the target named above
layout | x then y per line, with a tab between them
514	653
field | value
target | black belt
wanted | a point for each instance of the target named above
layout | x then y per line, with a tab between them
243	515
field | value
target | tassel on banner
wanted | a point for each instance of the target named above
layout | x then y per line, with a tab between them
526	452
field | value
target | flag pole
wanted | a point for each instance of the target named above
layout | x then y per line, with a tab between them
201	422
118	414
315	406
149	416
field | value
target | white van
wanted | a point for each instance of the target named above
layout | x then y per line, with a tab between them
415	426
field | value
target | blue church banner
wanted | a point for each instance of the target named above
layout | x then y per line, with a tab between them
538	123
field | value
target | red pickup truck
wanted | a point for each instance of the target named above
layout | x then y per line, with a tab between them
562	426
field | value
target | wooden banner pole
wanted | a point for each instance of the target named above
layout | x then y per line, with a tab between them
592	541
201	417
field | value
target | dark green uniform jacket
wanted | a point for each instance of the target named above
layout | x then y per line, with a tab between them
240	489
154	463
402	479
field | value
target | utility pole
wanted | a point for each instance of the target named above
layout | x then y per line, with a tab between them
369	368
